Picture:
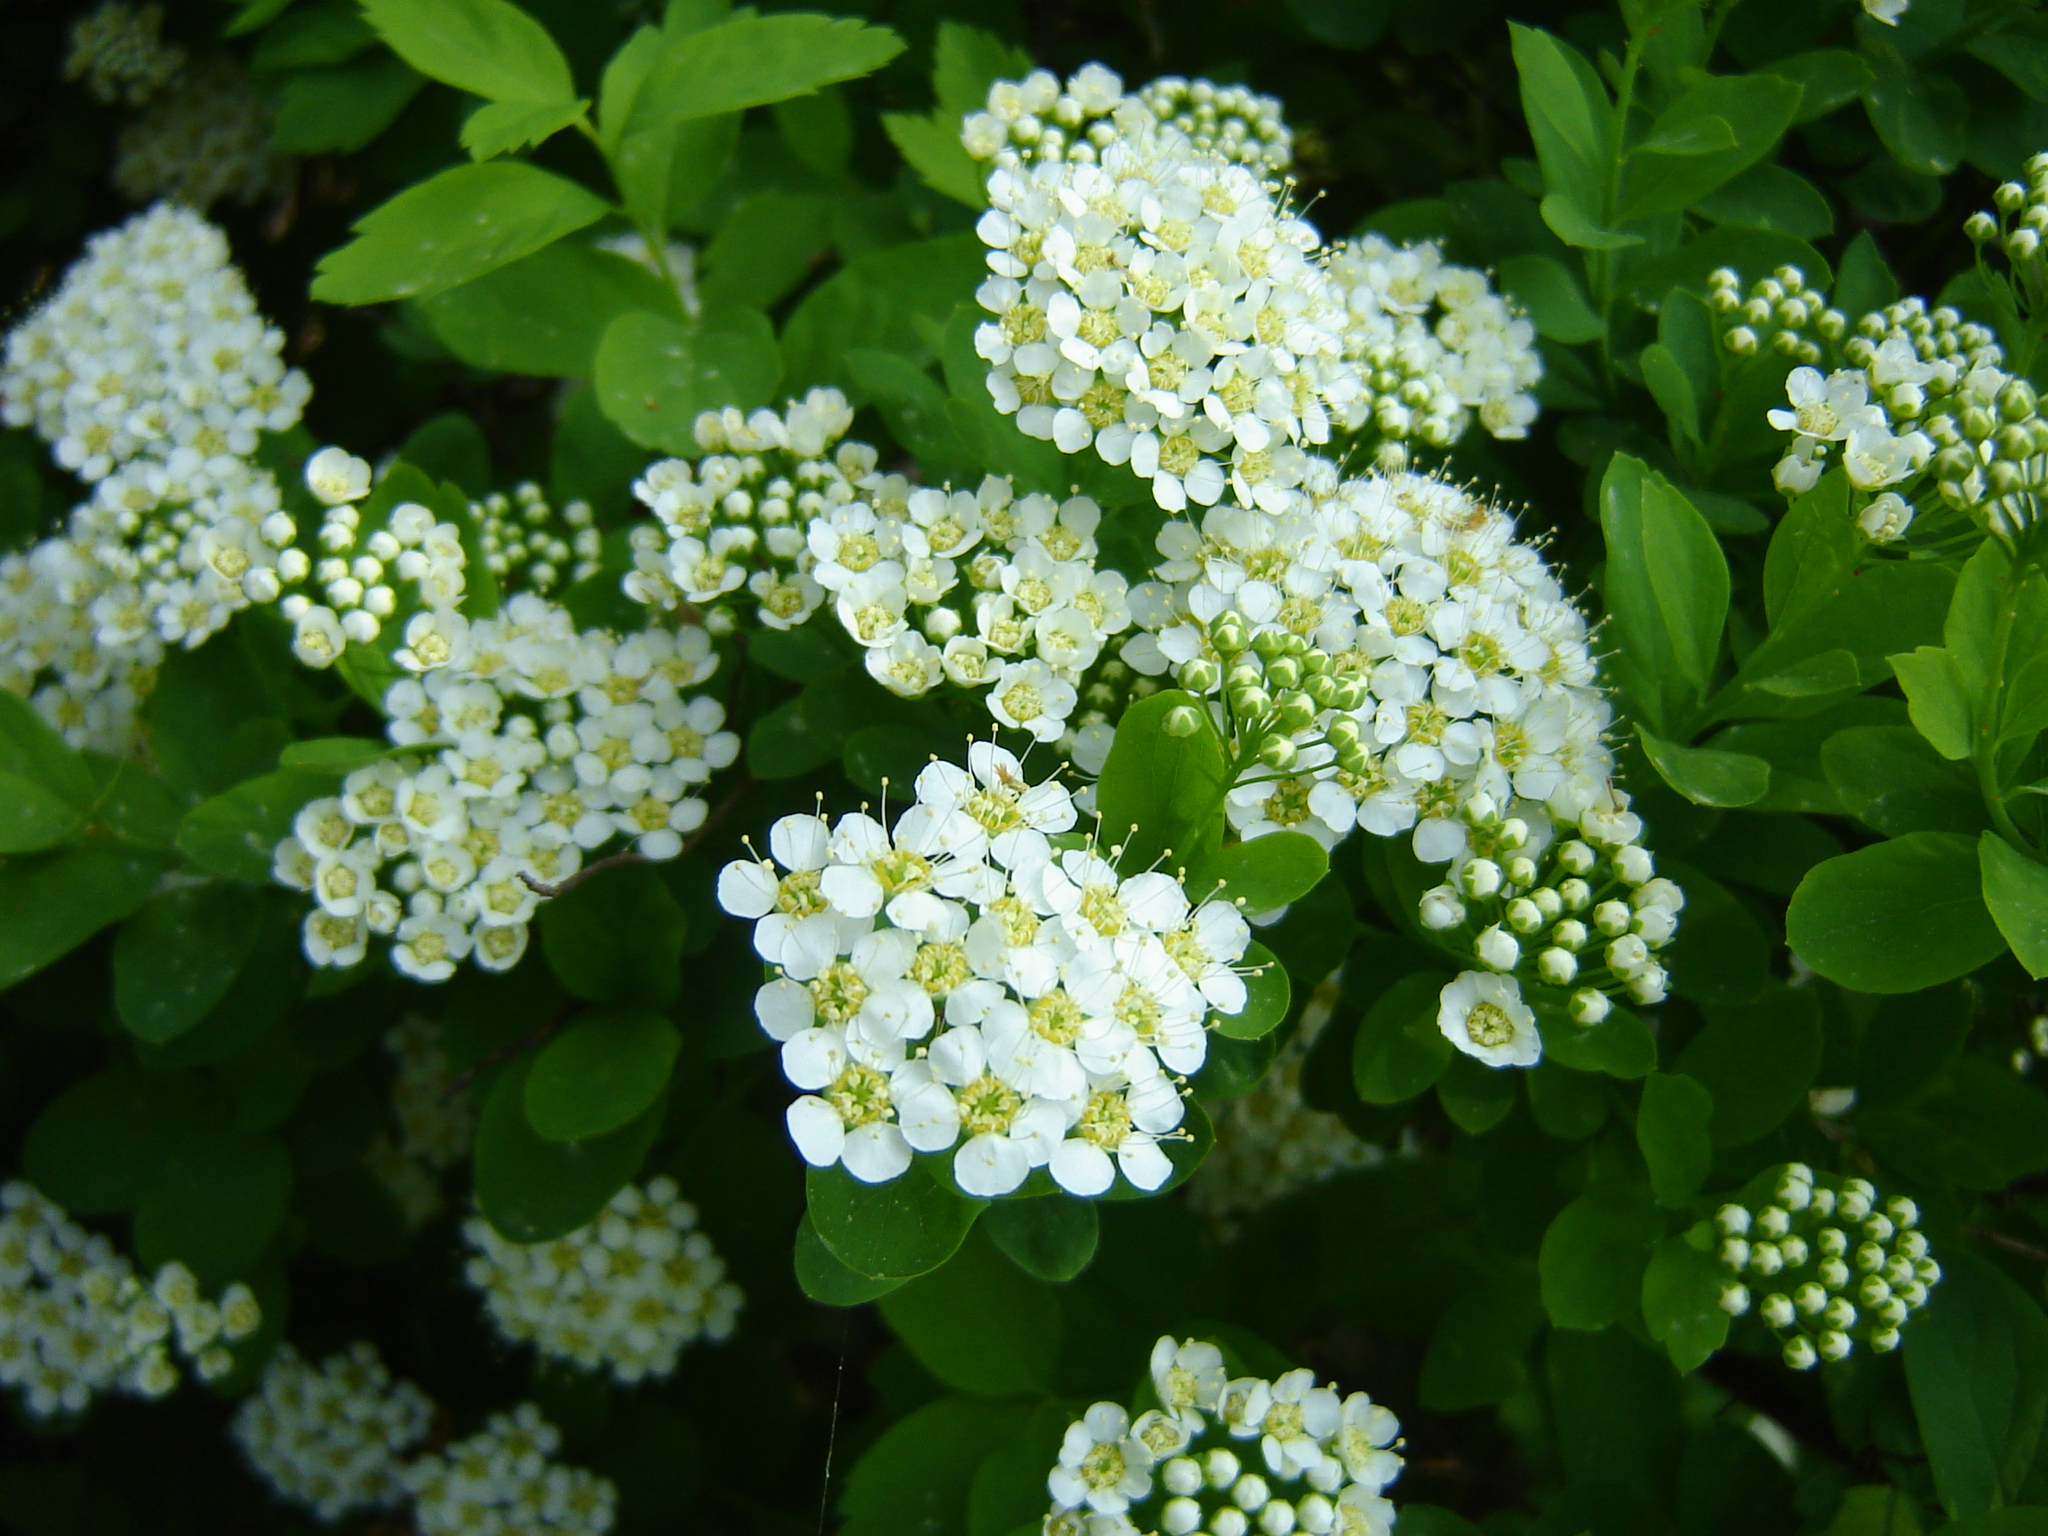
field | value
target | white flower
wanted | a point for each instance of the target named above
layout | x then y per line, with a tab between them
1827	409
1484	1016
1101	1466
332	1439
337	477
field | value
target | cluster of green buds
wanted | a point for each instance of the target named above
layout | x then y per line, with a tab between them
1583	909
1832	1265
2019	228
1780	312
1282	698
531	547
1993	459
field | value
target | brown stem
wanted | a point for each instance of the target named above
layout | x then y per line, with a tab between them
537	1035
2009	1244
543	889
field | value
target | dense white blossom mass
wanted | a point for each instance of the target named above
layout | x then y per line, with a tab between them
1228	1456
76	1320
504	1481
624	1294
332	1438
960	983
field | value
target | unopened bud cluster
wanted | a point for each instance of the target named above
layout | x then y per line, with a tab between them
331	1438
1282	697
1036	119
623	1294
1826	1264
1227	1456
1779	313
205	137
2018	225
75	1319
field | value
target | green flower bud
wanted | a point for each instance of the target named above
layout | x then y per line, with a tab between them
1182	721
1200	675
1277	753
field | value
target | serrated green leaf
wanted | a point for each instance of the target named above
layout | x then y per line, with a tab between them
490	48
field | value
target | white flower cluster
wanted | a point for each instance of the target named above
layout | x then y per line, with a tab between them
332	1438
434	1127
956	983
1228	1457
205	138
503	1482
1165	307
118	49
1834	1265
531	547
970	589
1915	396
75	1319
527	747
153	378
1269	1143
1034	120
1432	345
623	1294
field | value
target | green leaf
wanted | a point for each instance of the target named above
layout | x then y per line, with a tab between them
1262	875
978	1323
892	299
1052	1237
1475	1097
751	60
916	1477
2016	893
1671	1129
237	833
31	817
914	406
818	128
1673	391
1479	1352
1160	792
766	247
616	938
468	220
1895	917
931	147
1555	300
547	313
1977	1364
1682	1300
1936	698
599	1073
1566	1103
1979	1127
499	127
1706	776
178	955
336	756
820	1275
343	107
1921	116
1268	996
655	375
1620	1045
1889	778
534	1190
1569	115
1757	1060
966	62
1721	954
1827	78
1908	1044
50	903
1398	1050
214	1205
1666	590
31	748
1575	227
892	1231
311	37
1770	197
96	1145
1704	139
489	48
1593	1256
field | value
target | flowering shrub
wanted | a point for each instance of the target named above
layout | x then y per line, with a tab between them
735	744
